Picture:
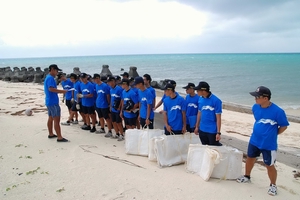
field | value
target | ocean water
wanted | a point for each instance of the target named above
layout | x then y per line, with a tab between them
230	76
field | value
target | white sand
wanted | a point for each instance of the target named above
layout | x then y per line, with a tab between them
94	167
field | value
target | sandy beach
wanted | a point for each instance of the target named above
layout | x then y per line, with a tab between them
91	166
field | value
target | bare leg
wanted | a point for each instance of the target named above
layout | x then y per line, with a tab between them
108	121
272	173
120	127
50	126
57	127
249	165
93	117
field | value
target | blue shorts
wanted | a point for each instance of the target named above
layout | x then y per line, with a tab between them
269	156
53	111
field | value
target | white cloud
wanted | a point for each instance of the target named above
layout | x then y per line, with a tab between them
75	22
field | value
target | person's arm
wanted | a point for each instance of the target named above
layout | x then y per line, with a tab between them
158	104
183	122
196	131
108	99
169	128
51	89
149	107
281	129
218	136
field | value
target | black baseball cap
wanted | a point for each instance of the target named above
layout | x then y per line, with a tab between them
54	66
202	86
72	75
138	80
261	91
189	85
96	76
110	78
104	78
169	87
125	74
171	82
83	75
125	81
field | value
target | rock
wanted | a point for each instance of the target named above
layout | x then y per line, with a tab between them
2	73
76	71
133	72
38	76
7	74
122	69
105	71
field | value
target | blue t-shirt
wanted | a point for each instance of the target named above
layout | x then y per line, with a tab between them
165	96
126	96
209	108
67	85
102	91
191	103
153	92
267	122
51	97
145	99
174	108
86	89
115	95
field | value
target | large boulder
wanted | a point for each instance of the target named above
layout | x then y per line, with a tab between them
133	72
105	71
38	76
7	74
15	75
76	71
2	73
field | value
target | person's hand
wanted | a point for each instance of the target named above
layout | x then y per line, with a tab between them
121	115
218	137
169	129
78	106
63	100
148	121
79	95
72	100
183	130
196	131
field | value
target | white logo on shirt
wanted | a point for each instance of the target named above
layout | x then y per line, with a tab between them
208	108
115	95
86	90
176	107
67	86
267	121
101	91
192	105
126	99
144	99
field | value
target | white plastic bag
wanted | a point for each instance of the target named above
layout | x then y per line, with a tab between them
137	141
172	150
211	157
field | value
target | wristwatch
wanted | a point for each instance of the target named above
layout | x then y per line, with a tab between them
219	133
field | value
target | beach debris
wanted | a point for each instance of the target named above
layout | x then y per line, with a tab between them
1	157
230	131
33	171
296	174
28	112
61	189
84	148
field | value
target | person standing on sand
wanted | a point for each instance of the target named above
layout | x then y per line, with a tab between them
191	101
208	124
174	112
52	103
270	121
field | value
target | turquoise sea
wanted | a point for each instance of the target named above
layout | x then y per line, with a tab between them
231	76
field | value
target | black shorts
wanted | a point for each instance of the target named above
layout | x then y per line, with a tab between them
189	129
103	112
208	138
69	104
143	123
74	107
88	110
115	117
175	132
130	121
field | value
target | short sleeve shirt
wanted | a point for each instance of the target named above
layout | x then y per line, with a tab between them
51	97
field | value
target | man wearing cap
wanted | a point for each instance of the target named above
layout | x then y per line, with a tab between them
125	75
102	104
270	121
52	103
147	81
172	82
115	107
174	112
208	124
87	96
191	102
129	104
146	114
67	85
75	108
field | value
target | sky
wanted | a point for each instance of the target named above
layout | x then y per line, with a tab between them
49	28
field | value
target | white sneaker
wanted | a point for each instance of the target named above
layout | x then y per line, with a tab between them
243	179
114	136
67	123
272	190
109	134
121	138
